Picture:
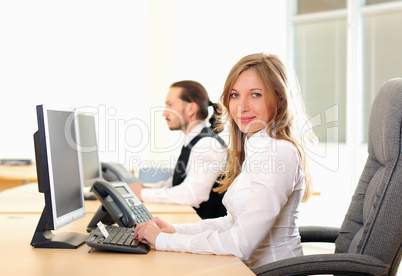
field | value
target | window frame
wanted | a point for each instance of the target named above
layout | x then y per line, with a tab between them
355	12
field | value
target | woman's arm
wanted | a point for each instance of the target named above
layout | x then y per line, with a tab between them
269	193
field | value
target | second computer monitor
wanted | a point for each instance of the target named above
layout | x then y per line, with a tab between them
88	147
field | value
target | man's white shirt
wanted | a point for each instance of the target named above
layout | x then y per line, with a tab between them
206	162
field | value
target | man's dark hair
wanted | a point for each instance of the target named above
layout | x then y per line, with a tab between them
194	92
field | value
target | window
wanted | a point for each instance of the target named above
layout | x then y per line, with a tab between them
320	63
342	52
382	57
320	51
310	6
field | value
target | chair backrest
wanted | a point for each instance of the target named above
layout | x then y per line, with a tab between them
373	223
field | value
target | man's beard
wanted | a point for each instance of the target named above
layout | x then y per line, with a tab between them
176	127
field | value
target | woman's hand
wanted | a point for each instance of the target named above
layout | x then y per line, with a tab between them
147	232
164	226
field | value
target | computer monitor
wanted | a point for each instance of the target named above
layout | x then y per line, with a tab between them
58	171
91	166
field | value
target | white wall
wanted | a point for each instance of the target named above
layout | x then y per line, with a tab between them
202	40
120	57
70	53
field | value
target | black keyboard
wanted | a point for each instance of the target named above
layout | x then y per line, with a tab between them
120	239
141	213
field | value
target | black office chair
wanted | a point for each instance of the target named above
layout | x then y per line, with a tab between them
369	240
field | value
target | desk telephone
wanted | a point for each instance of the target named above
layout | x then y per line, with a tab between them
119	205
112	172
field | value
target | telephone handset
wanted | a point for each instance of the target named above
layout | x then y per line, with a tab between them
119	204
116	172
114	207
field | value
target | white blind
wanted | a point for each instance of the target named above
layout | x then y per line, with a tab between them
382	55
320	64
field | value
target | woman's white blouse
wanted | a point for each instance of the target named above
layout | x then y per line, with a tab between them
262	209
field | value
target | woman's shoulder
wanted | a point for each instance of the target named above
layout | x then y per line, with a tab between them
278	148
284	144
283	148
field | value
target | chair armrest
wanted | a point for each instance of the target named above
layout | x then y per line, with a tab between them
318	233
341	263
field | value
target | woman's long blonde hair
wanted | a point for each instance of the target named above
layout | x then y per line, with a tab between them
287	122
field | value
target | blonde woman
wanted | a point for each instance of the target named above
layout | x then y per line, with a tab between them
266	177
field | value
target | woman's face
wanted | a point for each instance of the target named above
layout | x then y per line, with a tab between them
247	103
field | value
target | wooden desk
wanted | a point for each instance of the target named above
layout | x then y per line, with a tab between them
12	176
26	199
17	257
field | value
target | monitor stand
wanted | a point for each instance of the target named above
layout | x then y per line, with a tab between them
44	238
